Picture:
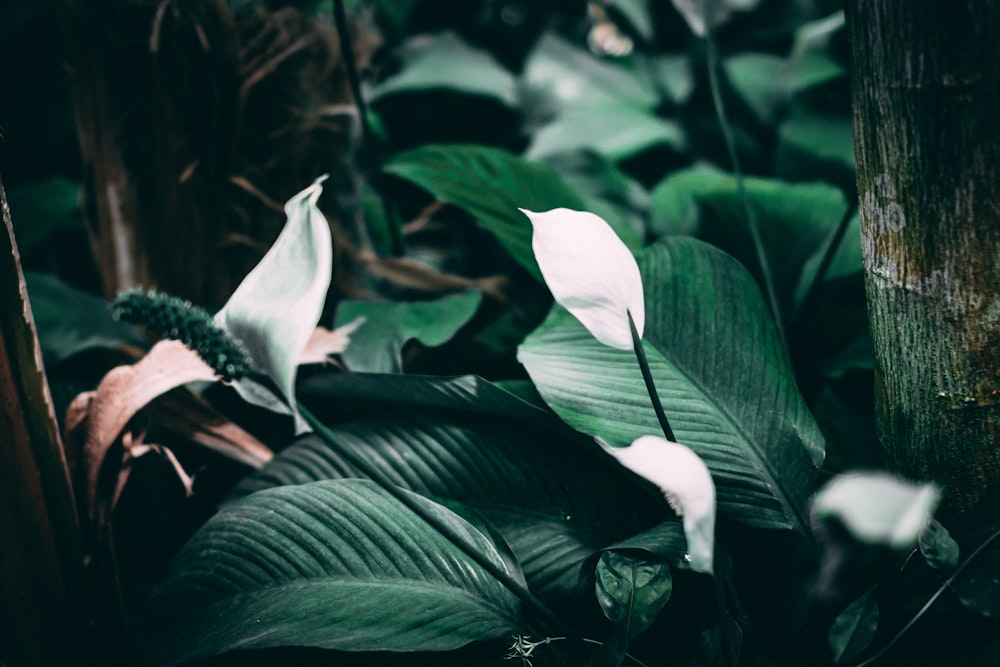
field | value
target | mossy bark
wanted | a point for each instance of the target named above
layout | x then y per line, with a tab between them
926	88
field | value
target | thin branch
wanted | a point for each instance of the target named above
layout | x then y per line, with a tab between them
367	134
770	292
828	255
927	605
647	376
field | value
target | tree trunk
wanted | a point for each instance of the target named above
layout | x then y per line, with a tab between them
926	87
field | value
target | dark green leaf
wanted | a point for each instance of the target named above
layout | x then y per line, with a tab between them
42	209
611	130
491	185
795	221
559	76
767	82
822	138
334	564
721	375
938	547
377	345
465	393
854	628
445	61
638	15
632	591
70	321
555	499
664	542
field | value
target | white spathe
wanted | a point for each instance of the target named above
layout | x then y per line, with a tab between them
877	507
274	311
687	484
590	272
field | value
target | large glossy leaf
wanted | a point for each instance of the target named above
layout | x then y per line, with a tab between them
720	373
559	76
70	321
611	130
382	393
377	345
491	185
608	192
334	564
795	221
632	591
582	102
547	493
445	61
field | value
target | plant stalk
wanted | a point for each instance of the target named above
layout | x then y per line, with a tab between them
770	292
647	376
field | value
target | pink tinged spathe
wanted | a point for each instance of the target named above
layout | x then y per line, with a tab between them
590	272
687	484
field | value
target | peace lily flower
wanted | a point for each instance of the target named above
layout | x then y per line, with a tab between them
590	272
877	507
685	481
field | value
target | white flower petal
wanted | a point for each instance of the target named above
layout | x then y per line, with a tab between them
687	484
275	309
590	272
877	507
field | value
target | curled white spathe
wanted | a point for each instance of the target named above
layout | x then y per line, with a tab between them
686	482
590	272
877	507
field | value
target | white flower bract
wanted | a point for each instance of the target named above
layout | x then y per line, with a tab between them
590	272
687	484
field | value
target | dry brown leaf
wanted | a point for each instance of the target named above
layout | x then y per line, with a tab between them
122	393
407	273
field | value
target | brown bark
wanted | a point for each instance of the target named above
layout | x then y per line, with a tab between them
926	87
195	126
40	552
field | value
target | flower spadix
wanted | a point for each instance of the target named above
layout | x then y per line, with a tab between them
687	484
590	272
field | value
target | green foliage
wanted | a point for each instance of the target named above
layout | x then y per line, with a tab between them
632	591
293	566
377	345
491	185
342	541
71	321
711	347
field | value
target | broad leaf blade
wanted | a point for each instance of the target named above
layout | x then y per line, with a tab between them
632	591
336	564
491	185
721	375
377	345
546	493
70	321
447	62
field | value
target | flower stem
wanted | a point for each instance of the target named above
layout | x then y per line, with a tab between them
647	376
